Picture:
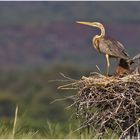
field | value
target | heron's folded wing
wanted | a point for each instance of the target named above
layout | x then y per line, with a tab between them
116	49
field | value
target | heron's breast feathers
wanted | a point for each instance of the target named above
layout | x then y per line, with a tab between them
96	43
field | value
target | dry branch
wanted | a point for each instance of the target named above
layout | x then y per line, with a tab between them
108	103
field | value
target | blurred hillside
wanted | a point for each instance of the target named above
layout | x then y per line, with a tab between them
42	13
36	34
38	40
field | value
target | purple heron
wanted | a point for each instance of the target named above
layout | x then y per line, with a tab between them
107	46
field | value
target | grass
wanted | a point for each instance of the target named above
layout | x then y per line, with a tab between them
17	129
15	121
50	130
20	128
51	133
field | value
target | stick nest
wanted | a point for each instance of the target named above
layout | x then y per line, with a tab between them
108	104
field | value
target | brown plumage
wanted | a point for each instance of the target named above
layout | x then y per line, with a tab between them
109	47
136	59
123	67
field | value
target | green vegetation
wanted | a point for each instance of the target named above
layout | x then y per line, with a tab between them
33	91
49	130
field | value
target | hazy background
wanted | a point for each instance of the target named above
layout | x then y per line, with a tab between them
38	40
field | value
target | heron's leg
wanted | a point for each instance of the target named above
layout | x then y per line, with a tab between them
108	63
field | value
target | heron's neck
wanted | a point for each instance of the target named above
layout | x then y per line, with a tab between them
102	32
101	35
95	42
96	38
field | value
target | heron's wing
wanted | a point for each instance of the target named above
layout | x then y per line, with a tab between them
115	48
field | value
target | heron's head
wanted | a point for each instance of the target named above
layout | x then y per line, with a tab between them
94	24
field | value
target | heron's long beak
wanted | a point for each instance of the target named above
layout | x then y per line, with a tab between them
87	23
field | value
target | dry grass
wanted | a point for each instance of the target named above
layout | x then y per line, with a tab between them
108	105
15	121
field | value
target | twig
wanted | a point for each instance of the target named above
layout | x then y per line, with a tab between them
124	132
98	69
67	77
62	99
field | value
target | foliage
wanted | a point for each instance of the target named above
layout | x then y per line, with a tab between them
34	91
49	130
